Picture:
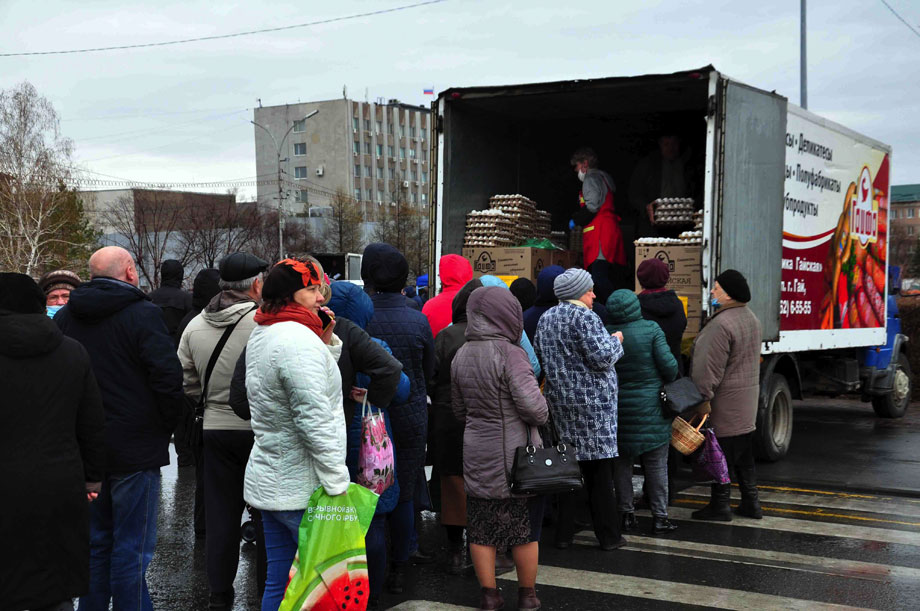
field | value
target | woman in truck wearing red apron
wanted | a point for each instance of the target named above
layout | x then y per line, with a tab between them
602	241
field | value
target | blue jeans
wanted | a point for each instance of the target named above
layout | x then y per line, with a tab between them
281	532
655	468
123	535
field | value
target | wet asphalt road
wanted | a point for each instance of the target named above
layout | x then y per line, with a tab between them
841	530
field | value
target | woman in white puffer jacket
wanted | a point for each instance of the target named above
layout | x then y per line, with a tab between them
295	397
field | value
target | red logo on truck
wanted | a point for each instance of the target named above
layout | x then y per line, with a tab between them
864	210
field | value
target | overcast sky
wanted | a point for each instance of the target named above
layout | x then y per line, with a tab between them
181	113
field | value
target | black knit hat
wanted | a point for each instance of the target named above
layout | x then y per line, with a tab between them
20	293
735	285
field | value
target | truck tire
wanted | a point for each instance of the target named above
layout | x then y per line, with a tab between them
894	404
774	421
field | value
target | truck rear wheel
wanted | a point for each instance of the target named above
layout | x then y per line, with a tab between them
774	421
894	404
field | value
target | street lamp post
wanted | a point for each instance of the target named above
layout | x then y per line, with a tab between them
280	186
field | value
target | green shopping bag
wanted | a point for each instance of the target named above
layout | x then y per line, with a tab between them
330	568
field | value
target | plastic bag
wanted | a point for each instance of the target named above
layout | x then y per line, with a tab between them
376	462
709	465
330	568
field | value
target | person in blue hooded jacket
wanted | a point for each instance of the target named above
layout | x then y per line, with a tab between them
350	302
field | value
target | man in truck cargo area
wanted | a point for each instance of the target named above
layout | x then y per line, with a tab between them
665	172
602	240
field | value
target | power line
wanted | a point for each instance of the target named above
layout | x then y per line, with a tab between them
159	128
235	35
901	19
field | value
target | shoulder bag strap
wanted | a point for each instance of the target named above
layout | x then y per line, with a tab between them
214	355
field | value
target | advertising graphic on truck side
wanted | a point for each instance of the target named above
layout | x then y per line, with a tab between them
834	230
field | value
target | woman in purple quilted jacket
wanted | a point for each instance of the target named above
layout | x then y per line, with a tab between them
494	391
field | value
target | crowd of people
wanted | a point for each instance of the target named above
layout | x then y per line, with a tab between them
101	376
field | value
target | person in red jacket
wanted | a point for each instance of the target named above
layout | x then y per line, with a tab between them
454	271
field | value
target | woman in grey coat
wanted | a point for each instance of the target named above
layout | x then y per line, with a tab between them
495	392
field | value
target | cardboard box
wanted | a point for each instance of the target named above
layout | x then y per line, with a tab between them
520	262
684	263
693	308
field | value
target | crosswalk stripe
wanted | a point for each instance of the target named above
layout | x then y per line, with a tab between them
427	605
765	558
671	591
881	505
827	529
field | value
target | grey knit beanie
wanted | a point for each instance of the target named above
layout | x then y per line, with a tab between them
572	283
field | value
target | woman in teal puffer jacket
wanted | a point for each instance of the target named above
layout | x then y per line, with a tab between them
643	432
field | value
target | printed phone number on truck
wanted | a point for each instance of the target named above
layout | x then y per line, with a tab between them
792	307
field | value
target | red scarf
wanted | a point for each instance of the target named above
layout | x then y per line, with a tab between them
293	312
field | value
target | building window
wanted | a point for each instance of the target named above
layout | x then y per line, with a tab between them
424	177
894	213
412	153
367	148
415	198
424	198
357	193
910	213
379	126
423	130
300	171
300	126
392	174
412	132
402	131
379	150
413	175
910	230
357	146
367	125
369	196
390	150
402	152
301	196
354	123
300	149
380	173
402	175
357	171
367	171
390	128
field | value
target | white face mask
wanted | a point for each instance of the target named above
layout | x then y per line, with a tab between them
581	176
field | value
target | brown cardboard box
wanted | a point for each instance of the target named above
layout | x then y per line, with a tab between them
521	262
694	309
684	263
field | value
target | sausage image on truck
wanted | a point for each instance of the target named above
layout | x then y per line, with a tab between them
797	203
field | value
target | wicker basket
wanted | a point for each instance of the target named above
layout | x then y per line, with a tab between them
684	437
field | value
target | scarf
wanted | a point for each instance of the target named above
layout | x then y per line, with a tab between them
292	312
648	291
576	302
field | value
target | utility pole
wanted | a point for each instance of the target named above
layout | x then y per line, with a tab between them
803	67
280	185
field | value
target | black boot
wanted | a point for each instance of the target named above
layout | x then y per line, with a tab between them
628	522
455	565
397	581
662	526
719	507
750	501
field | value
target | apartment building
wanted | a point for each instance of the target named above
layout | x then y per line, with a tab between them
377	153
904	223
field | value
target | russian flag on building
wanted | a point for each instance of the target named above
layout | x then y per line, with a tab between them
428	91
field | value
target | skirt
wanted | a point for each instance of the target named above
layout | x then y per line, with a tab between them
504	523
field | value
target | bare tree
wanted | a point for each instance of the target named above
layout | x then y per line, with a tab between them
343	230
297	235
217	227
148	222
37	213
406	228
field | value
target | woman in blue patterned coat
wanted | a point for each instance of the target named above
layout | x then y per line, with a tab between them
578	357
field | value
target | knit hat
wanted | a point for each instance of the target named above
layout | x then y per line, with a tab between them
384	268
572	284
59	279
289	276
525	291
735	285
20	294
653	274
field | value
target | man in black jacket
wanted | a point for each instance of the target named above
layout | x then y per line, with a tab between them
172	299
140	379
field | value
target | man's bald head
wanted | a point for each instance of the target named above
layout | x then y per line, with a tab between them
113	262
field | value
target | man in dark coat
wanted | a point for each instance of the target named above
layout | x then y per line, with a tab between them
384	270
546	299
446	437
205	286
140	378
662	305
53	457
174	301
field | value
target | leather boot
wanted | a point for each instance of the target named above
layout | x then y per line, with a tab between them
662	526
629	523
491	599
750	501
719	507
527	599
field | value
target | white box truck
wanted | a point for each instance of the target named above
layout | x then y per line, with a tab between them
795	202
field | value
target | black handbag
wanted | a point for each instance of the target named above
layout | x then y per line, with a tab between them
679	396
194	411
550	470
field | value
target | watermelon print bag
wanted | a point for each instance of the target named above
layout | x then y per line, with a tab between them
330	568
376	463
